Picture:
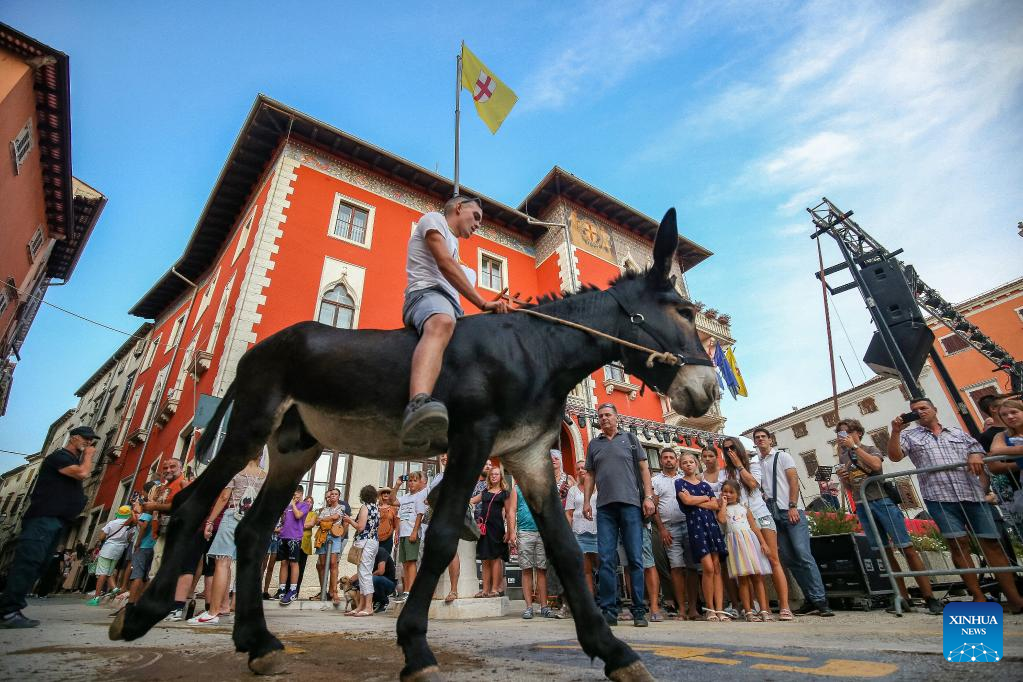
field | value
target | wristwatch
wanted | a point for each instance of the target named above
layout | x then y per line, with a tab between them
649	497
792	505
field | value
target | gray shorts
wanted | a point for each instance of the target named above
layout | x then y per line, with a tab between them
531	550
422	304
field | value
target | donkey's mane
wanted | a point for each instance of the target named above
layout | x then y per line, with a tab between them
628	275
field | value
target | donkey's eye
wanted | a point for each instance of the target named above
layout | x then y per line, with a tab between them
687	313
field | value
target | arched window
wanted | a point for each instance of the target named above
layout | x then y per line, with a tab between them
337	308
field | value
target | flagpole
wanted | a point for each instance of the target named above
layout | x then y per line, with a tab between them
458	110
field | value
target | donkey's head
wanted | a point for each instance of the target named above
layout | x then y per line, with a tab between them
659	318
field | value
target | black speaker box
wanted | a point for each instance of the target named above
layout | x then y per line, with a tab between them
890	290
914	339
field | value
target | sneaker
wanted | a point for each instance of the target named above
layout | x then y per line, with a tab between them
824	611
379	607
528	613
204	618
425	422
266	596
933	606
546	612
401	596
289	597
807	609
176	615
94	601
17	620
640	622
610	620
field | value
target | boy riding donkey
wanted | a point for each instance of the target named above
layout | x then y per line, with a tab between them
436	276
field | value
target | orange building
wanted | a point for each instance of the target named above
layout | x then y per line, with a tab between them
46	215
309	222
999	314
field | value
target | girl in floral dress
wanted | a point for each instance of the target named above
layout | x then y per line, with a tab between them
706	543
745	548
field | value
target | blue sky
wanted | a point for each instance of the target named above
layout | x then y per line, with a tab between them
741	114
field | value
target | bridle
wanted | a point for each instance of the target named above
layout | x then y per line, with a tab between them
662	375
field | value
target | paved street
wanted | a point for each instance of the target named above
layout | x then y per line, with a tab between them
858	645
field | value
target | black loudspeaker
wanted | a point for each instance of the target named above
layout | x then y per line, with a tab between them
914	339
890	290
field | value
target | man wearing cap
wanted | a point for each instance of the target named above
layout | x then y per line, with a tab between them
436	276
115	536
56	500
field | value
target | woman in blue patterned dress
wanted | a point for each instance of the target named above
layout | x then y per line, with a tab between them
707	544
367	523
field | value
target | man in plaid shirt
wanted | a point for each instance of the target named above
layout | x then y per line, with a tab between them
954	498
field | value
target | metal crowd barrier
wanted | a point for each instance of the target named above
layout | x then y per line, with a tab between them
877	481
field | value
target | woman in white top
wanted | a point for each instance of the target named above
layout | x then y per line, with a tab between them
585	530
749	475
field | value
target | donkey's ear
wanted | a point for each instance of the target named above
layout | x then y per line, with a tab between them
665	244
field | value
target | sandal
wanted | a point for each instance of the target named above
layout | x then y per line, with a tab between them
479	595
752	617
766	616
710	615
785	614
362	614
724	616
315	597
452	596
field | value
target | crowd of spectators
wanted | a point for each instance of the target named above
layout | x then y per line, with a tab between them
726	524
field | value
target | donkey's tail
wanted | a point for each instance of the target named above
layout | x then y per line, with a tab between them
209	434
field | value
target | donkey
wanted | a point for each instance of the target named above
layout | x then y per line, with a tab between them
505	380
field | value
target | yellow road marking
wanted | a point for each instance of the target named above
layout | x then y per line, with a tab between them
776	657
835	667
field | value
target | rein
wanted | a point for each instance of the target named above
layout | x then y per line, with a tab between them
665	357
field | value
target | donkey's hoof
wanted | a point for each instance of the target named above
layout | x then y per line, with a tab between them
269	664
116	630
428	674
634	672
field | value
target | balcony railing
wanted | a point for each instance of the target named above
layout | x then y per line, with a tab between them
169	407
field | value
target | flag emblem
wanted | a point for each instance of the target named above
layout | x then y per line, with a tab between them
484	87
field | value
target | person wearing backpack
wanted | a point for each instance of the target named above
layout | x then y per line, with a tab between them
232	505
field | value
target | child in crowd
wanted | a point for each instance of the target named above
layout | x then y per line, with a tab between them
290	547
706	543
746	548
115	536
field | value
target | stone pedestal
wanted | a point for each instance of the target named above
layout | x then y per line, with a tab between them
468	583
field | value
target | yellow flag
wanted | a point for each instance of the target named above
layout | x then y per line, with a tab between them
493	99
730	356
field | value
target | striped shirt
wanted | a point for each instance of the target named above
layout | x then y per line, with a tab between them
950	446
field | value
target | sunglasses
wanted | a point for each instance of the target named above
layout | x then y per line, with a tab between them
730	447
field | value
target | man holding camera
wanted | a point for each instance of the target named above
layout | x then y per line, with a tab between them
954	498
56	500
856	462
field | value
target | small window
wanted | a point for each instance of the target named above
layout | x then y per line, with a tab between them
491	273
350	223
977	393
614	372
147	361
867	405
830	419
810	461
243	239
799	429
953	344
176	331
337	308
35	244
21	145
881	438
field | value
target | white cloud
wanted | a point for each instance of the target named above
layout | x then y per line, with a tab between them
602	46
911	119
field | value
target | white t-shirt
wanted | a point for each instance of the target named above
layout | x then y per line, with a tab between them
574	501
667	502
117	538
410	506
755	500
715	485
778	490
421	267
